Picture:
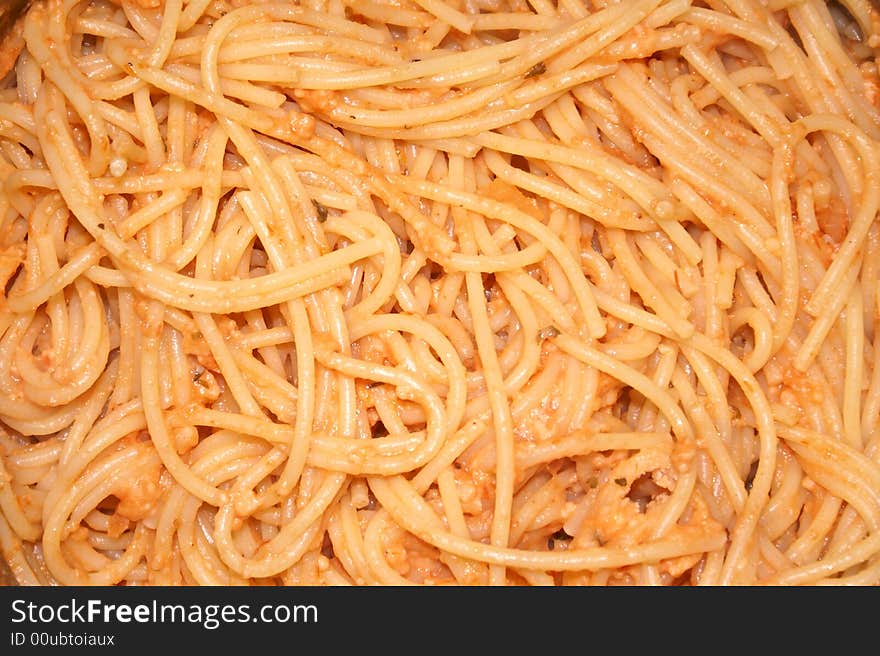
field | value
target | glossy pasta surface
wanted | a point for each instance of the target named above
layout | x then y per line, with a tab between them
475	292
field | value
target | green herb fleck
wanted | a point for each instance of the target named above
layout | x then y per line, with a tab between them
321	210
536	70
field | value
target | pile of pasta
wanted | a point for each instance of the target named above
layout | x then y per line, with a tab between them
443	292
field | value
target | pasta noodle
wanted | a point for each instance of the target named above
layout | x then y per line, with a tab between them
441	292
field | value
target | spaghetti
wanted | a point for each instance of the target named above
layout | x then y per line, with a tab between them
471	293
